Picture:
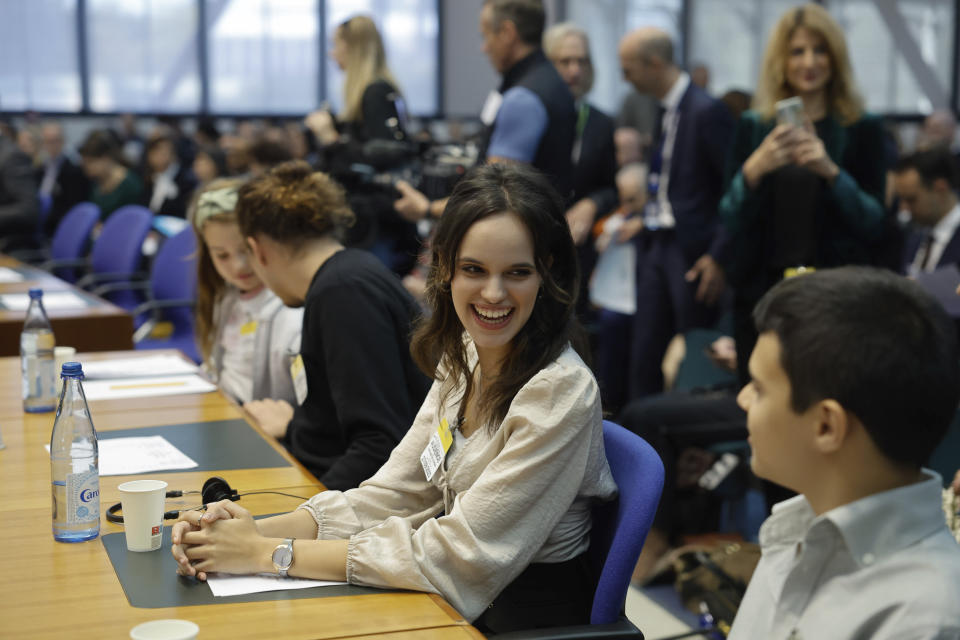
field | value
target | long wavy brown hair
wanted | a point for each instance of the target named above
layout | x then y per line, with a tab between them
843	99
438	347
210	286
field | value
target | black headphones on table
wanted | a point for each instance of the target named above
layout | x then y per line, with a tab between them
214	489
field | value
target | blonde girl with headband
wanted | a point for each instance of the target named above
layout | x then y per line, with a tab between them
248	338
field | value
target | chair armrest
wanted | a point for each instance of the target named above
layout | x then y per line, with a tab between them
63	263
153	305
92	279
110	287
621	629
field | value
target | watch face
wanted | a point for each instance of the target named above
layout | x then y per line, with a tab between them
282	556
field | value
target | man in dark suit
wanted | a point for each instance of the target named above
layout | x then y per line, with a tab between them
927	183
18	198
594	154
679	278
61	178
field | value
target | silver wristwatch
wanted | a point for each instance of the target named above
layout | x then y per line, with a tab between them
283	557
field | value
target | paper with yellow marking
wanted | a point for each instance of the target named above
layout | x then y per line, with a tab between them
436	449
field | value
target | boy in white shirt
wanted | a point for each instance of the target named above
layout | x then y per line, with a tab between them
854	381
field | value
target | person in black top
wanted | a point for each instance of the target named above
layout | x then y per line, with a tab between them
61	178
358	386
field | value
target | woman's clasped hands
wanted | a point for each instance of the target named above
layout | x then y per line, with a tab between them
789	144
223	538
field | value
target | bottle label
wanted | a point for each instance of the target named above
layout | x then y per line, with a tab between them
83	497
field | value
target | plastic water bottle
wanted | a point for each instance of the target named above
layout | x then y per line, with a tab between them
74	463
37	364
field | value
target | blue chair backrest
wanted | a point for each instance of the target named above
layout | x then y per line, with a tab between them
118	247
72	236
620	527
174	272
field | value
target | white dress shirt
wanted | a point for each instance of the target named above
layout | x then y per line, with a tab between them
882	567
671	122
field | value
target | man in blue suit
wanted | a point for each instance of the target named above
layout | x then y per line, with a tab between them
926	183
679	278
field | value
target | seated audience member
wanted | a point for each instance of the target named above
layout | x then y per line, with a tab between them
362	387
61	177
18	197
249	339
169	185
854	382
926	183
265	154
209	163
940	131
502	527
114	184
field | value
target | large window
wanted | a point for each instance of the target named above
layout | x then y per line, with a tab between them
263	55
409	30
606	21
143	55
39	72
902	51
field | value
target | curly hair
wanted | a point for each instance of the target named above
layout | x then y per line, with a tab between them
438	347
292	204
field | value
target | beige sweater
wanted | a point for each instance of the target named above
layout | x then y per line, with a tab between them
519	495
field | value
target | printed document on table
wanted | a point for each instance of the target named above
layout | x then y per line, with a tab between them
126	456
52	300
118	388
142	366
224	584
10	275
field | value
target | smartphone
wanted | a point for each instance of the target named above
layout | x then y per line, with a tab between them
790	111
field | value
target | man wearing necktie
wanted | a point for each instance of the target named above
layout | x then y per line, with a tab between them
926	183
679	278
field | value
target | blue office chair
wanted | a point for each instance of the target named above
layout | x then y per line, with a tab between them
619	530
71	241
116	255
173	293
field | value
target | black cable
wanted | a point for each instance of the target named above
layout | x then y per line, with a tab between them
279	493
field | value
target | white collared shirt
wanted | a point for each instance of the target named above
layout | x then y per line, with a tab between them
882	567
164	187
669	126
942	232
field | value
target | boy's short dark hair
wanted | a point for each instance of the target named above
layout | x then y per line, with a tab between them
876	343
931	164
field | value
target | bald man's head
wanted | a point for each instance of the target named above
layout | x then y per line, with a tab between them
646	57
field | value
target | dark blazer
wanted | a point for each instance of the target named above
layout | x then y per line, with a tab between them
70	188
594	176
177	206
950	255
19	207
700	149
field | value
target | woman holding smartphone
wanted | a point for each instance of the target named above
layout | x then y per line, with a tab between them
806	175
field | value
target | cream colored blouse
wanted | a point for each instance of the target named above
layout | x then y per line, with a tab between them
518	495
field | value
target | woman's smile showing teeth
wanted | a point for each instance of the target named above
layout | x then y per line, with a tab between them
492	318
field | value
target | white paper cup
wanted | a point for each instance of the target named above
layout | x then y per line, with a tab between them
142	503
165	630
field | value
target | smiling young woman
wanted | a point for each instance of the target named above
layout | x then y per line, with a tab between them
487	499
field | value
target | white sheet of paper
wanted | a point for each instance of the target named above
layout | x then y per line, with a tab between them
126	456
52	300
612	285
117	388
224	584
10	275
144	366
491	107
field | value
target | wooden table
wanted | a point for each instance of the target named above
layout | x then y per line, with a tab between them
57	590
99	327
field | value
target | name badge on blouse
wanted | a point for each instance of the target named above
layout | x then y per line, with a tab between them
248	328
299	377
436	449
